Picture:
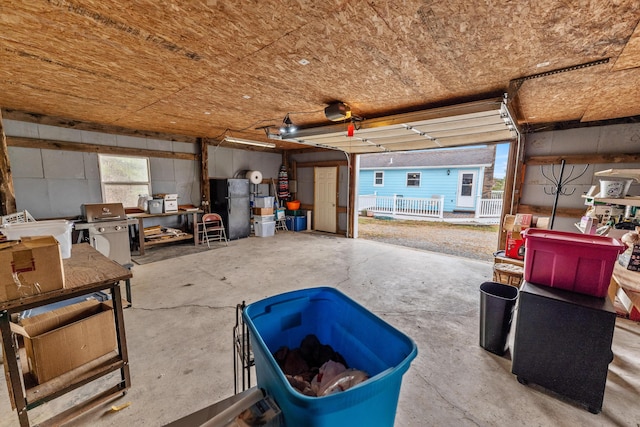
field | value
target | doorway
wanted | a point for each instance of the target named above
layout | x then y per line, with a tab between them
325	186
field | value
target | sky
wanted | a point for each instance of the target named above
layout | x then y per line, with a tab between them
502	153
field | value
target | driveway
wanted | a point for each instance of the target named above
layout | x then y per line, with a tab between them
477	242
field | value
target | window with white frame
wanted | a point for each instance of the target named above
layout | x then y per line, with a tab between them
378	179
124	178
413	179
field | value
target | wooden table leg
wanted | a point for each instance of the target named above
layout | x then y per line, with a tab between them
141	236
196	237
13	377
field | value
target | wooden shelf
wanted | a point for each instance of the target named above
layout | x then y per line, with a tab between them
625	201
621	173
142	241
39	393
167	240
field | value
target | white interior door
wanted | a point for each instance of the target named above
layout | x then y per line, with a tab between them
466	189
325	199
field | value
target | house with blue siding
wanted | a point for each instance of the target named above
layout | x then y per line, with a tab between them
461	176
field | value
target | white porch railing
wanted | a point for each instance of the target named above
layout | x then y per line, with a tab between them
433	208
395	205
489	208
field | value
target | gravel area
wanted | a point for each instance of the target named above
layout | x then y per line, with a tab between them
464	240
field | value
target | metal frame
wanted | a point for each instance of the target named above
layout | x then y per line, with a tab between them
27	399
243	359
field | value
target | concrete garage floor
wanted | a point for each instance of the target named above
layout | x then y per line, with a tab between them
179	334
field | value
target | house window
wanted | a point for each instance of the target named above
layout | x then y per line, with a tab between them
378	180
413	179
466	187
124	178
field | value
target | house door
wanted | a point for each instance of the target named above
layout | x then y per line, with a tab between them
325	199
466	189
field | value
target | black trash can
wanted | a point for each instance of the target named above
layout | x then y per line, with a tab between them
496	310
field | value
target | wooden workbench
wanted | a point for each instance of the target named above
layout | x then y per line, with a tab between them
142	216
87	271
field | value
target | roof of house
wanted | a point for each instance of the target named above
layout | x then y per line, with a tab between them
483	156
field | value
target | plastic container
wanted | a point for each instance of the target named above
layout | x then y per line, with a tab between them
58	228
496	312
263	218
296	223
155	206
264	229
297	212
366	342
576	262
293	205
263	202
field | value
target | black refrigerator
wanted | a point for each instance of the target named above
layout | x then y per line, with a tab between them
230	199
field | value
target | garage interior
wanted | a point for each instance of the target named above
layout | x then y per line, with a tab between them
187	85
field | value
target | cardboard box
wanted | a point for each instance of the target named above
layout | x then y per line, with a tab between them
523	220
63	339
29	267
513	225
515	245
263	211
520	222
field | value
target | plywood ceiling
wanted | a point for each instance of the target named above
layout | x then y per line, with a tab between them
209	68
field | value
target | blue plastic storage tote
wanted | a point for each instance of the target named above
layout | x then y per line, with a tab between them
367	343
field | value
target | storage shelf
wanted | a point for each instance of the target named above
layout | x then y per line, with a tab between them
626	201
621	173
39	393
168	240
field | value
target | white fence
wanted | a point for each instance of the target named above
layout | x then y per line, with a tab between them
488	208
398	205
432	208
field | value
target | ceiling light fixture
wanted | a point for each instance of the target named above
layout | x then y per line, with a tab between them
287	125
247	142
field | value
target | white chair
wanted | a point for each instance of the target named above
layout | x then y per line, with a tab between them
213	229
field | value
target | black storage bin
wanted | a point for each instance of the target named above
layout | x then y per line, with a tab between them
563	343
496	311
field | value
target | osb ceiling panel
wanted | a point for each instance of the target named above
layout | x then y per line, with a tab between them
630	57
209	67
560	97
616	97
